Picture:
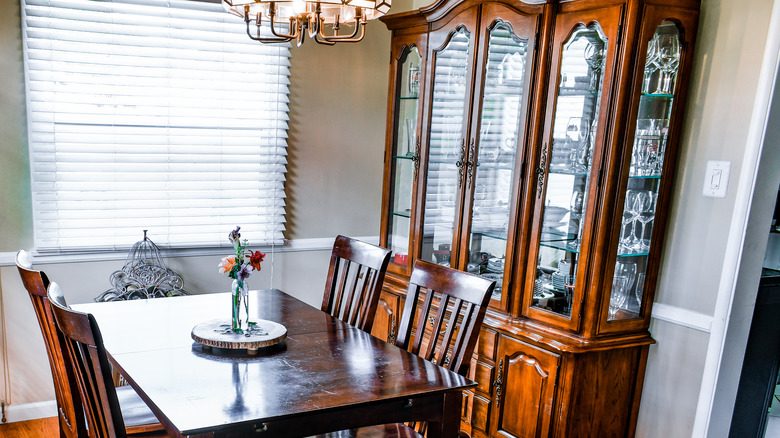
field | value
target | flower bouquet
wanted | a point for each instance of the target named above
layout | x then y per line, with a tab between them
239	267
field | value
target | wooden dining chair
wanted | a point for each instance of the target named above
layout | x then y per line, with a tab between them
355	277
139	419
445	334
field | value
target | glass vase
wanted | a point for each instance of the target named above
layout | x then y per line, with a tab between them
240	303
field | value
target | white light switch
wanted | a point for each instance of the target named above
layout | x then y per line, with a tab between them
716	178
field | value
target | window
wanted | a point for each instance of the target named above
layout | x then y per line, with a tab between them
149	114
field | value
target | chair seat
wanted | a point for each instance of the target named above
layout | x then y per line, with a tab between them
137	415
382	431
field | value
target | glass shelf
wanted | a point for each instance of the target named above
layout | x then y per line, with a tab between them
407	98
634	254
573	91
403	157
644	176
658	96
402	214
568	172
493	234
559	240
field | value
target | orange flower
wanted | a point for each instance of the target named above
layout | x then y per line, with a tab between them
255	259
227	264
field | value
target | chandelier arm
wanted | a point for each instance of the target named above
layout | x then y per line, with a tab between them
354	38
258	37
291	35
317	40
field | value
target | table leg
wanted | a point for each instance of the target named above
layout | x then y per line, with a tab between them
450	422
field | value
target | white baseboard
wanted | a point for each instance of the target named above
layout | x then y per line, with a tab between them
31	411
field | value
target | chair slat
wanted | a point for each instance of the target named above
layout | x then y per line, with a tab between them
352	292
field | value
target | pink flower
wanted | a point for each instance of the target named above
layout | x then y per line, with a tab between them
227	264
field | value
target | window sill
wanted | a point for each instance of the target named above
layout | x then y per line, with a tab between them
297	245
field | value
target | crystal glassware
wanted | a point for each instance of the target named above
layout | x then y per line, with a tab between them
651	65
640	285
618	296
644	208
594	57
628	218
668	60
575	211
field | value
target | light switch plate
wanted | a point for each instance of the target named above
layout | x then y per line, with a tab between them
716	178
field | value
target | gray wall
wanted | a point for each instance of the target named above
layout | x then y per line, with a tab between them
337	112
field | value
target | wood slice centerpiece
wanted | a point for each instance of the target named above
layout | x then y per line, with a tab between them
218	333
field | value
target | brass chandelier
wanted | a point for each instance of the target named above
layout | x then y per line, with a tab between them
289	20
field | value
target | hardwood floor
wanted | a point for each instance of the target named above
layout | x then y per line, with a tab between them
43	428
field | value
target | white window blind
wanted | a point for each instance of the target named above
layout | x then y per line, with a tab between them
158	115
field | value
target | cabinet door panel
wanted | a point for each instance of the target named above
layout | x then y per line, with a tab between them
525	390
584	49
451	56
403	154
653	128
497	139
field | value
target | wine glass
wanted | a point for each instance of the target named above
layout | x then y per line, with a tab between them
640	285
641	203
646	215
594	57
568	283
668	60
624	246
618	296
651	65
628	270
575	211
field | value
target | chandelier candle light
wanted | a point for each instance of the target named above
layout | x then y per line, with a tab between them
300	17
239	268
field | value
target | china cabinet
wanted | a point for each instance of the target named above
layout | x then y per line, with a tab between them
534	143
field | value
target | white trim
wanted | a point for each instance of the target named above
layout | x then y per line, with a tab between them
296	245
738	229
684	317
31	411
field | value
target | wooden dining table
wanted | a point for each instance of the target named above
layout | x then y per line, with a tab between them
326	375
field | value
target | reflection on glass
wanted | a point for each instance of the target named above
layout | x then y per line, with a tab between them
502	101
404	159
647	164
446	147
573	140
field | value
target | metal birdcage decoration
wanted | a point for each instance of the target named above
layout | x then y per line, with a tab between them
143	276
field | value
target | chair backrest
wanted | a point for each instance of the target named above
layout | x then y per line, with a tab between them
355	276
70	411
463	300
84	345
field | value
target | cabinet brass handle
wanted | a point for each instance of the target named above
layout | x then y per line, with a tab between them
416	157
471	164
540	171
498	382
461	163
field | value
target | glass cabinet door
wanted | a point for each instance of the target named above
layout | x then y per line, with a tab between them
501	122
447	149
568	173
634	243
405	157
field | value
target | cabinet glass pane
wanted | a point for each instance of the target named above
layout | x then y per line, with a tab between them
498	138
447	147
405	156
647	165
565	198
